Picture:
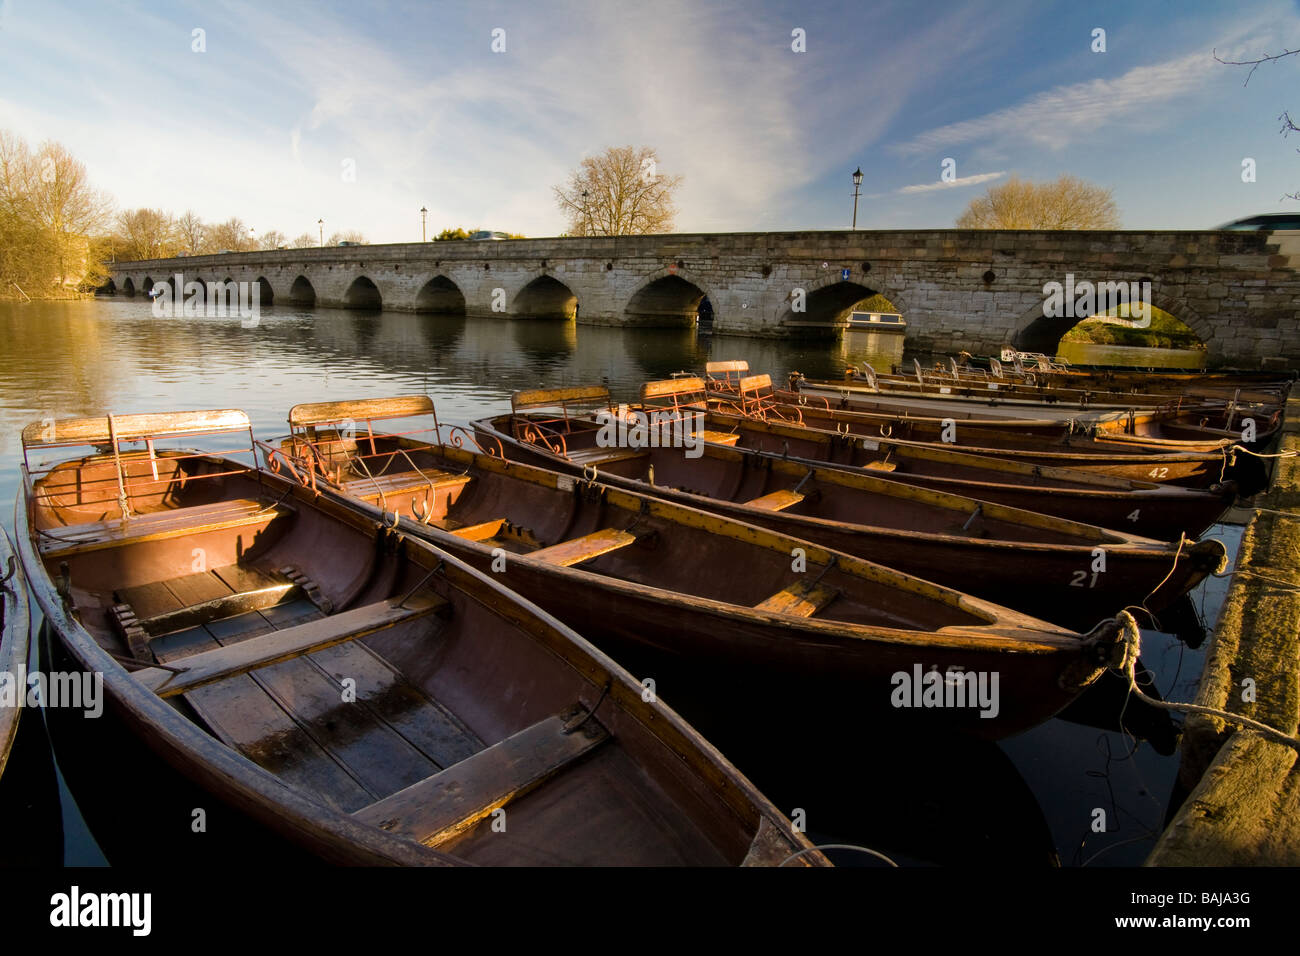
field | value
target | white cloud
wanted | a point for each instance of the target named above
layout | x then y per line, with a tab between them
962	181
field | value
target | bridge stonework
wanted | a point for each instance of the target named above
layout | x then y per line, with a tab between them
958	289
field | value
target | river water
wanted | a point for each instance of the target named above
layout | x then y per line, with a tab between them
1029	801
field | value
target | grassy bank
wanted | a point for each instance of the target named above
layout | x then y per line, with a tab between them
1165	332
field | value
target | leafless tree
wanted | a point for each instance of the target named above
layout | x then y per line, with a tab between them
1067	203
618	193
190	229
147	234
305	241
1288	125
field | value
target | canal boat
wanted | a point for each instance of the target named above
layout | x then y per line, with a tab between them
14	637
348	686
886	322
687	592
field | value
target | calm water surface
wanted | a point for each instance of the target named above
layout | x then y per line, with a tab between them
1027	801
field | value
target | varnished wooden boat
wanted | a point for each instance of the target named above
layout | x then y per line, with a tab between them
366	695
1038	564
748	611
1144	508
14	628
1193	464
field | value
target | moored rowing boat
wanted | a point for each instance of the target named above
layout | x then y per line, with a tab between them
367	696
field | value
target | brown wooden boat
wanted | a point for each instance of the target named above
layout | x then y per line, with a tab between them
14	630
1166	512
1194	464
683	591
1044	566
366	695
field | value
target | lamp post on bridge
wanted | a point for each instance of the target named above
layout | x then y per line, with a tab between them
423	214
320	224
586	222
857	181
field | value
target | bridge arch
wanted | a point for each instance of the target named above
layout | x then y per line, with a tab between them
109	287
1036	332
202	291
667	299
128	287
544	297
440	295
827	302
302	292
265	294
363	294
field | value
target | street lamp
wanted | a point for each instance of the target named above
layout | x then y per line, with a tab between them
586	223
423	213
320	223
251	240
857	181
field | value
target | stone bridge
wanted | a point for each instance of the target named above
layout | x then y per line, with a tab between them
957	289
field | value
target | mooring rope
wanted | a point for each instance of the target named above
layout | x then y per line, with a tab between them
1131	646
837	846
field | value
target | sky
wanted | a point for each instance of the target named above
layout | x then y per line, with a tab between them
282	113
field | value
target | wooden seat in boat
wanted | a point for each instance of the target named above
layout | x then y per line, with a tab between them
403	481
454	799
568	553
777	500
209	666
801	599
171	523
597	455
719	438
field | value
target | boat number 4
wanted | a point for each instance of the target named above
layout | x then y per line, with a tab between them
1133	515
1159	473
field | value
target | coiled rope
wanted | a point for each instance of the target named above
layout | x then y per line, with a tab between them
1130	646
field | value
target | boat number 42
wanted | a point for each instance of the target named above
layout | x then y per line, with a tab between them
1159	473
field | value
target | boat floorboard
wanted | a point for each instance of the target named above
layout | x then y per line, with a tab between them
292	718
606	809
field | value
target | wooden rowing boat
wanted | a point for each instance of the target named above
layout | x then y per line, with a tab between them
14	628
371	698
748	611
1192	464
1148	509
1045	566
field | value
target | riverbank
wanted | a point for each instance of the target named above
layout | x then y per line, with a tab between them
1244	804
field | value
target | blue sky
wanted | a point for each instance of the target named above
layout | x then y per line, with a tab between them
261	124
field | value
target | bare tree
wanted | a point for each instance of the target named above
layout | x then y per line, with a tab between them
63	201
231	235
272	240
1067	203
305	241
190	229
351	236
618	193
147	234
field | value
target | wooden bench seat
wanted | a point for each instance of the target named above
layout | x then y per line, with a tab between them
568	553
250	590
720	438
594	456
776	501
454	799
171	523
208	667
801	599
403	481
